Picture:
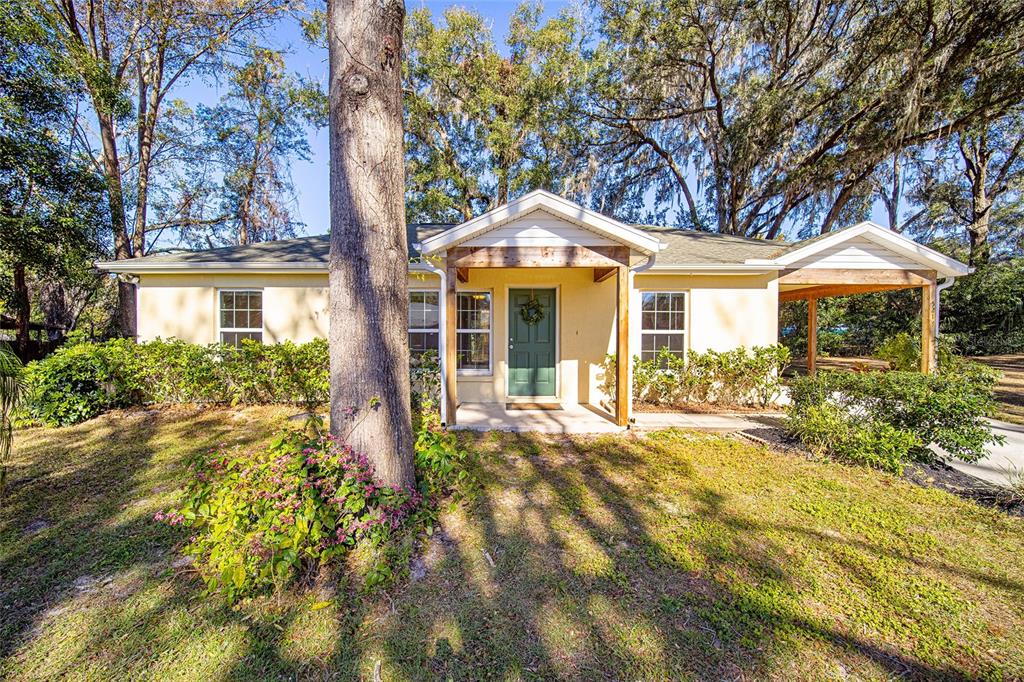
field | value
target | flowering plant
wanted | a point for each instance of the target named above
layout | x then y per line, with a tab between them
260	517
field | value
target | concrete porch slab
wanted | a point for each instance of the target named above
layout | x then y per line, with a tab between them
721	423
569	419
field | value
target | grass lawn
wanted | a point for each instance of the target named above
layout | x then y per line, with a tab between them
674	556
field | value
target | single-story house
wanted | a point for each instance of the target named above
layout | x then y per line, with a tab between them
525	303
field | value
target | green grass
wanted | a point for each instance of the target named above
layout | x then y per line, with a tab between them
669	557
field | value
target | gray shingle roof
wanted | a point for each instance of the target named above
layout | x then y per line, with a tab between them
684	247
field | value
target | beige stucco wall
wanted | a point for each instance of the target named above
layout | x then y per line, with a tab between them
723	312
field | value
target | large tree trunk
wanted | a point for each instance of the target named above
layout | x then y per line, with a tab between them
21	311
369	349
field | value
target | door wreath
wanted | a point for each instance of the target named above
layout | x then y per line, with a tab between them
532	311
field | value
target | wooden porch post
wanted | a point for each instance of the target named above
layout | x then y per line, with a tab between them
928	345
622	387
450	341
812	334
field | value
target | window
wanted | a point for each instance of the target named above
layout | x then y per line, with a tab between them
473	332
663	323
241	316
423	321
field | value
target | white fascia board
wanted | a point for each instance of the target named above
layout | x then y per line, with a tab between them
562	208
129	267
897	242
716	268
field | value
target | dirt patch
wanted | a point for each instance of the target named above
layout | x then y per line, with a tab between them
1010	389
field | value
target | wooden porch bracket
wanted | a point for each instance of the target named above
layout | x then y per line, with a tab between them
622	387
462	274
450	341
601	274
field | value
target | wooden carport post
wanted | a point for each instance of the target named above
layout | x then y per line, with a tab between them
812	333
622	387
928	345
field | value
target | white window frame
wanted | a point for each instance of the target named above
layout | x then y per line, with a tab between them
490	335
684	332
263	308
428	330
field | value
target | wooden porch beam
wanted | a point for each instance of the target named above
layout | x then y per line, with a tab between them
601	274
838	290
622	387
812	335
450	341
823	276
539	257
929	349
463	275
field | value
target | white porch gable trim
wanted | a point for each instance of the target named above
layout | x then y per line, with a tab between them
893	241
557	206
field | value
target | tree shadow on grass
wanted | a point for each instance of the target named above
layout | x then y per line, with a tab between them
609	558
77	530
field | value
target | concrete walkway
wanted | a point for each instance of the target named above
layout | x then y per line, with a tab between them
719	423
1002	459
585	419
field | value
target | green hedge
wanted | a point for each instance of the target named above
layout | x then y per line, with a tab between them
737	377
887	419
81	380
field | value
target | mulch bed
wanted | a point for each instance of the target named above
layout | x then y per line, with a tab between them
933	475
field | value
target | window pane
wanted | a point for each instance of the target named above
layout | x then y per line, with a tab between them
420	342
227	318
227	299
678	303
648	302
474	311
430	310
236	338
647	321
473	350
663	302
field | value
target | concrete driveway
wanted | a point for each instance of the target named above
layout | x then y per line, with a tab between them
1001	458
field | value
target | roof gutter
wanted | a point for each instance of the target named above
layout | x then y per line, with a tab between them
442	322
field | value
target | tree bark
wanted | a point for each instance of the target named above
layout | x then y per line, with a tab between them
21	310
370	392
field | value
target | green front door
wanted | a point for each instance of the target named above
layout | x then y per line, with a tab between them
531	347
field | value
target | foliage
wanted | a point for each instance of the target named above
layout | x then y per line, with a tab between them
984	312
425	378
946	409
261	517
11	390
723	112
50	200
738	376
483	127
828	429
82	379
903	353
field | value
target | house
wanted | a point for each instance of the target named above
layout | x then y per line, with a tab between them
525	302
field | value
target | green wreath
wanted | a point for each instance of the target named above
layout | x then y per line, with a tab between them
532	311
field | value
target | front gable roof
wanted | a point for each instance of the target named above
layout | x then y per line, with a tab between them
540	200
794	255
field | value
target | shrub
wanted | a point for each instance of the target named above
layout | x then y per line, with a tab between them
903	352
262	517
947	409
425	377
827	429
738	376
81	379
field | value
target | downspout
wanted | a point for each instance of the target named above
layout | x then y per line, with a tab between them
631	281
442	337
